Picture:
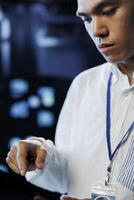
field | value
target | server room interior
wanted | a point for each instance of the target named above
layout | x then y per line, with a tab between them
43	46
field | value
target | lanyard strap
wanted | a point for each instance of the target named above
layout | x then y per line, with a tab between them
108	125
108	120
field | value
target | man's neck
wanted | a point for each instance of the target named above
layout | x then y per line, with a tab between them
128	71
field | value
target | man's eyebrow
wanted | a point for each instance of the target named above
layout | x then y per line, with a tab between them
96	8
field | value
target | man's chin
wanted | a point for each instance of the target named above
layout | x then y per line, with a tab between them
111	59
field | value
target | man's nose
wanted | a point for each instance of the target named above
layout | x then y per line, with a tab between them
99	28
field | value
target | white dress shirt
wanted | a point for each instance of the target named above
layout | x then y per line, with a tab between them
79	157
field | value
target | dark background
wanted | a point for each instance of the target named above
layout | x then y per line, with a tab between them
43	46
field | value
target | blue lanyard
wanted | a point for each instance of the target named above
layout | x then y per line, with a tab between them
108	125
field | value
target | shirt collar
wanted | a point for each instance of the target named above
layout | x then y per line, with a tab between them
119	77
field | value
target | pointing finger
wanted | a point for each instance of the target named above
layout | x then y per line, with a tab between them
22	157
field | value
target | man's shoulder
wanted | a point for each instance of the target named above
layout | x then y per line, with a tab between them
93	73
95	77
91	77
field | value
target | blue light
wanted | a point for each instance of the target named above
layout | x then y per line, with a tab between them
13	141
18	87
34	102
3	168
45	119
19	110
5	28
47	95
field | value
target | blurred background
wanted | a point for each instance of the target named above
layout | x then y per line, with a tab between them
43	46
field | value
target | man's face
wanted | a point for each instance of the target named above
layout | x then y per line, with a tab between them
110	23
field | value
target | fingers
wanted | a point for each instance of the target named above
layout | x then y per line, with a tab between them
11	161
21	157
41	156
26	156
14	168
16	158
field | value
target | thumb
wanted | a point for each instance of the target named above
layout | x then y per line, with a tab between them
40	157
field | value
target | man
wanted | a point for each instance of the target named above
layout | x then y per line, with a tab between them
96	123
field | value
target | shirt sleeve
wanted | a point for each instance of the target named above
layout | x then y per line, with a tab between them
54	175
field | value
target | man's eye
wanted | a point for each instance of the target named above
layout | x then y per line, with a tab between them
109	12
87	20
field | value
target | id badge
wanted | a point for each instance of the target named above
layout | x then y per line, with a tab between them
100	191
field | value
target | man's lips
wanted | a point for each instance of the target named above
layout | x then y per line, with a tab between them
105	48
